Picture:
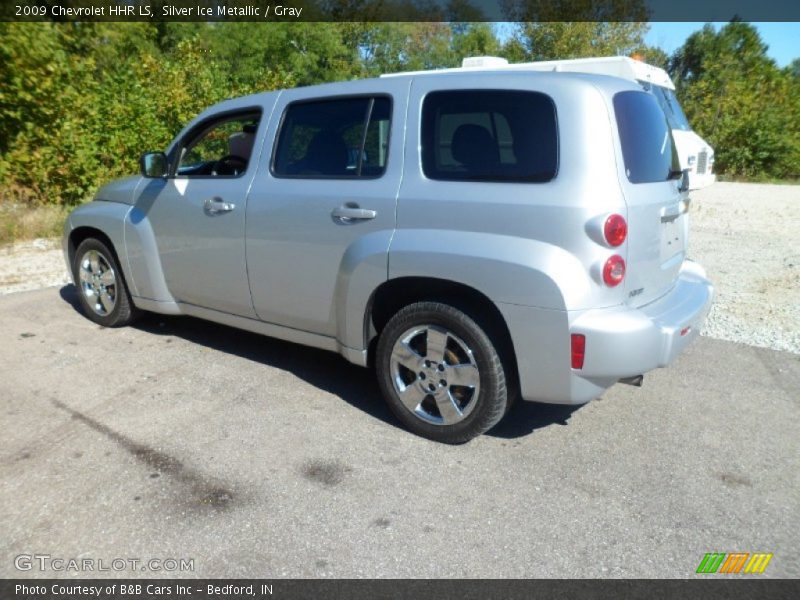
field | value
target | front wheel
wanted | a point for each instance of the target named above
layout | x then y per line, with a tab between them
103	295
440	373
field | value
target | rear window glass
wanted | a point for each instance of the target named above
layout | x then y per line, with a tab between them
485	135
647	146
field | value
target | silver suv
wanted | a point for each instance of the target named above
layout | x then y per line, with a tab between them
475	236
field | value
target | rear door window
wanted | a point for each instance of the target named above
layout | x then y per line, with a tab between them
332	139
489	135
647	146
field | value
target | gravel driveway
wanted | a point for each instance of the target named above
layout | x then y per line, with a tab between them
747	237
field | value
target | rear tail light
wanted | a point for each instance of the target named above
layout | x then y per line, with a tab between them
578	350
614	270
615	230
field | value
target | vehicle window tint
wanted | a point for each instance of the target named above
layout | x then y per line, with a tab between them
334	138
477	135
223	149
647	146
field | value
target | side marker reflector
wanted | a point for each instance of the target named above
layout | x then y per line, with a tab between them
578	350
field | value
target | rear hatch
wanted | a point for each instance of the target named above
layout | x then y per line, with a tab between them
657	224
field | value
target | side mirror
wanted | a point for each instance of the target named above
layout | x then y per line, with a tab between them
154	164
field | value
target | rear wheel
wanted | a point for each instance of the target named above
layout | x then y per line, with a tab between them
440	373
103	295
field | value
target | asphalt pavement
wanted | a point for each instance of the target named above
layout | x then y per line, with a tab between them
251	457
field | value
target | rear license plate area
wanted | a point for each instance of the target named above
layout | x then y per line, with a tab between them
672	240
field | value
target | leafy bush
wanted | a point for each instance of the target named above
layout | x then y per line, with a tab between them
80	102
740	101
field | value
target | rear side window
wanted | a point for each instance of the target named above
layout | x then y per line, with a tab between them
647	146
489	135
331	139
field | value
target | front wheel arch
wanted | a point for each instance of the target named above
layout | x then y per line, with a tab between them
122	310
79	234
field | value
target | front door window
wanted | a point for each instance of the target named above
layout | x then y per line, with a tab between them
222	150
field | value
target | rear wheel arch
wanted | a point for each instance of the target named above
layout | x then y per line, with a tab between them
395	294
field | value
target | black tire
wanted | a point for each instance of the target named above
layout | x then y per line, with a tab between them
123	311
492	398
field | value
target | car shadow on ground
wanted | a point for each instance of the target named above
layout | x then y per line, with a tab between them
325	370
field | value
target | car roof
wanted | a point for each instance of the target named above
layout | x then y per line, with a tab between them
616	66
511	78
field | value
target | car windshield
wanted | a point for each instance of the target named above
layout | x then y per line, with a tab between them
670	105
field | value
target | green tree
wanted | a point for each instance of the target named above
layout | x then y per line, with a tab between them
45	96
310	52
395	47
552	41
653	55
474	39
794	68
79	103
616	27
736	97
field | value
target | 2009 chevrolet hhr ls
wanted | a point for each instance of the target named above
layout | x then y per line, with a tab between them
476	235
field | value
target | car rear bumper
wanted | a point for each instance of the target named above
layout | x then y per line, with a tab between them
621	342
631	341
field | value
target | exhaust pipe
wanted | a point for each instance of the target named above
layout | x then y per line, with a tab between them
636	380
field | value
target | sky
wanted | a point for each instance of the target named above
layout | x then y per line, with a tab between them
783	39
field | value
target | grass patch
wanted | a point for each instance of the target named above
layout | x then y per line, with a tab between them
19	222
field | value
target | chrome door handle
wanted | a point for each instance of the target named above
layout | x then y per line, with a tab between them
350	214
217	205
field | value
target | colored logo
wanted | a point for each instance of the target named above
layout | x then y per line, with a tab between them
734	562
